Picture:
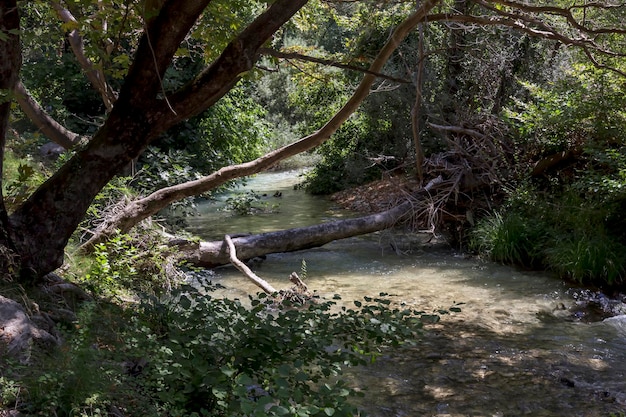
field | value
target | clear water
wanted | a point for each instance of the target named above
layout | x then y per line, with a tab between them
511	351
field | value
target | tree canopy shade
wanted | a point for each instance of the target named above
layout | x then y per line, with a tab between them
41	227
143	108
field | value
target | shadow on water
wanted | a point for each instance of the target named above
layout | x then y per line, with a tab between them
463	369
511	351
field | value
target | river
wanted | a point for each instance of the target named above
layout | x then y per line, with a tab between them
513	349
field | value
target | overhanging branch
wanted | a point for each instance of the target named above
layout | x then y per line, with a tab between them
328	62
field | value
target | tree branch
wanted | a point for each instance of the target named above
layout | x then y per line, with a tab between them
566	13
143	208
258	281
237	59
523	23
328	62
95	75
46	124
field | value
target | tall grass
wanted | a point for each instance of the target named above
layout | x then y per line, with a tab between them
510	238
564	233
595	259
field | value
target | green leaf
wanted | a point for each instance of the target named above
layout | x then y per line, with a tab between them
284	369
229	372
329	411
279	410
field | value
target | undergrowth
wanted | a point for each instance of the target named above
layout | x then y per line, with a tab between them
190	354
576	236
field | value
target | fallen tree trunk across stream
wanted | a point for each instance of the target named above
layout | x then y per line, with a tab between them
216	253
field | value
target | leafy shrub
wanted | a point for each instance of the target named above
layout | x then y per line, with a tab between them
188	354
128	264
245	204
578	235
216	357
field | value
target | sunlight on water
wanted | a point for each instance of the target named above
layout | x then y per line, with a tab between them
511	351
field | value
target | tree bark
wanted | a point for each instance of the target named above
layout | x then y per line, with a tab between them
212	254
10	62
46	124
258	281
42	226
141	209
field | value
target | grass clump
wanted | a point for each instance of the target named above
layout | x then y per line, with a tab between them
575	236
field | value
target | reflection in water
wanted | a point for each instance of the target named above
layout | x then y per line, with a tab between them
511	351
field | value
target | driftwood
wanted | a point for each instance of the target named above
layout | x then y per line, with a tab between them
298	294
550	161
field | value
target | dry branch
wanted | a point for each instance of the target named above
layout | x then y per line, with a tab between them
258	281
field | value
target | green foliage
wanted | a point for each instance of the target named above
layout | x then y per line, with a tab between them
343	162
128	264
580	238
509	238
583	108
245	204
589	258
9	392
216	357
21	176
189	354
77	379
233	131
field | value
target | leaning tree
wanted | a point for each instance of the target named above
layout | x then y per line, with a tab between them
34	236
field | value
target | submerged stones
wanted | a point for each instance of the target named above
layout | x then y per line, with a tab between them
592	306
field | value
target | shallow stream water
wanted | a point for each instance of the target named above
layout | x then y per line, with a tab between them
513	350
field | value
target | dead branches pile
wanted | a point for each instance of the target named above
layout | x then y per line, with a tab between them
467	177
463	179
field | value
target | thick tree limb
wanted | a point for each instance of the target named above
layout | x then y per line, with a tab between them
143	208
217	79
550	161
258	281
138	116
46	124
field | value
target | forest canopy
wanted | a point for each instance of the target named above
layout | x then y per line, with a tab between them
499	125
192	89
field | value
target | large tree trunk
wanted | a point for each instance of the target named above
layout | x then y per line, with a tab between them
10	62
211	254
42	226
143	208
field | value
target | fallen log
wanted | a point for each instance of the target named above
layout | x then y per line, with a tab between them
216	253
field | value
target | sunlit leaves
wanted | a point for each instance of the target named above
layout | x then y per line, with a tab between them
265	360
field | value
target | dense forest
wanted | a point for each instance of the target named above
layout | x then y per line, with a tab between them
502	122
